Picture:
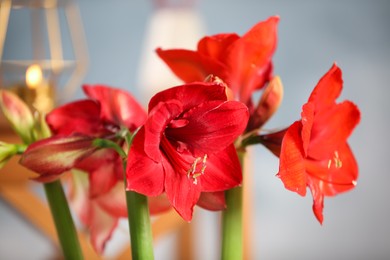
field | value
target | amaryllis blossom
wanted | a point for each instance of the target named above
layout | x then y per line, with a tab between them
186	146
243	63
75	127
314	151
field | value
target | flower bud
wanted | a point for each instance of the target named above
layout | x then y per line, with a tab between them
18	114
269	102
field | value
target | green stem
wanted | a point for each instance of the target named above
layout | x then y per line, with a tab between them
105	143
139	219
63	221
232	226
20	148
140	228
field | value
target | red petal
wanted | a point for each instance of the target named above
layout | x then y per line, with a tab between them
78	194
114	201
336	174
318	200
99	222
158	120
307	116
212	126
102	180
101	226
292	164
57	154
222	172
182	192
159	204
331	128
190	95
249	58
331	177
143	175
328	89
118	106
215	46
105	169
214	201
76	117
191	66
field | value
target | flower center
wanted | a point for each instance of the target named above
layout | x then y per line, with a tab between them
335	161
180	161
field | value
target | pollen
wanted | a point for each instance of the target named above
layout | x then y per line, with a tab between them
197	168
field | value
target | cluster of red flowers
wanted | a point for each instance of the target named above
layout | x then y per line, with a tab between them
182	152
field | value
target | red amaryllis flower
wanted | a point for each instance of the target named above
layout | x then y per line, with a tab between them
76	126
185	146
314	151
243	63
105	112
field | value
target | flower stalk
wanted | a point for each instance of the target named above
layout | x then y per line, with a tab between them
232	225
140	228
63	221
139	220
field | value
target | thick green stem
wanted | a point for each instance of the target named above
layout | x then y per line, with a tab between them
140	228
63	221
232	226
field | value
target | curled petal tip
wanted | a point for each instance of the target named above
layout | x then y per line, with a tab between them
216	80
276	18
319	216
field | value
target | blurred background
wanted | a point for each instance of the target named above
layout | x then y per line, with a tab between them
120	36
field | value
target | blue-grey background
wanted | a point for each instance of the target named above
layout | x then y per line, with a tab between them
312	35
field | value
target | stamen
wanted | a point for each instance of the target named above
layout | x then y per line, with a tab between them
329	163
336	160
192	171
193	166
204	164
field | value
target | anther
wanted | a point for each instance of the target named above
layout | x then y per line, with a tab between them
192	172
336	160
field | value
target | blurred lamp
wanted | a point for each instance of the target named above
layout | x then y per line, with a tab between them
42	49
173	24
